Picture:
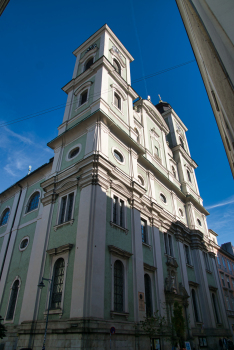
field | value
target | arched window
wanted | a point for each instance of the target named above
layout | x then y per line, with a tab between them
118	286
189	176
148	297
13	299
33	202
59	267
163	198
5	217
117	100
83	97
215	308
181	143
88	64
117	66
195	308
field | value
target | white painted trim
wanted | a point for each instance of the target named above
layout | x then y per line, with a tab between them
118	150
22	249
125	287
9	298
28	200
72	148
7	207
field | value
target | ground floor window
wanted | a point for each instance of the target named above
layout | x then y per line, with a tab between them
202	342
155	344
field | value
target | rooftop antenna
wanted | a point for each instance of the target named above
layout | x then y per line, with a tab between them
29	169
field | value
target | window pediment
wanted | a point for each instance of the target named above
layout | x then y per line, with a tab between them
87	84
120	91
119	252
62	249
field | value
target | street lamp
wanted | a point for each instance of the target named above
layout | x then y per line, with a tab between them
42	285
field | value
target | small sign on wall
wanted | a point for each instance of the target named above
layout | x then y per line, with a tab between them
141	301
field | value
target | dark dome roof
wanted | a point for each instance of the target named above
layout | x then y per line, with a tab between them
163	107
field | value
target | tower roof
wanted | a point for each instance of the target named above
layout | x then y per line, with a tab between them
163	106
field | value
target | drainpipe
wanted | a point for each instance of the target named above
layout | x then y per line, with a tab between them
8	242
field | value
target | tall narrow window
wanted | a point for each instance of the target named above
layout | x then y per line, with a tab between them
58	284
187	255
170	245
174	172
195	308
66	208
144	231
156	151
219	263
189	177
181	143
215	308
118	213
121	213
228	283
88	64
137	133
206	259
224	264
117	100
229	266
148	296
115	200
13	299
83	97
33	202
118	286
117	66
223	281
5	217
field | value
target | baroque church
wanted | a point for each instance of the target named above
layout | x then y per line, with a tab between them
112	227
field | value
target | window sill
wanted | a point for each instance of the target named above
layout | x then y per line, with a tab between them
120	227
63	224
157	158
54	312
147	245
116	313
120	110
31	211
191	266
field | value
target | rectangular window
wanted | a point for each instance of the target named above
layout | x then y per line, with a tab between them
144	231
118	213
224	265
168	244
219	263
187	255
222	277
156	151
206	259
228	283
228	303
66	208
229	266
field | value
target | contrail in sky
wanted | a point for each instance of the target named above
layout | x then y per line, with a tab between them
221	204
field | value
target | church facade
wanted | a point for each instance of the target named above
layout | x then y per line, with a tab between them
113	225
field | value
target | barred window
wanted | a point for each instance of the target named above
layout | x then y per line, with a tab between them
59	268
148	296
118	286
5	217
13	299
33	202
66	208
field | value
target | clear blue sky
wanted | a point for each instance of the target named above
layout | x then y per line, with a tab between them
37	40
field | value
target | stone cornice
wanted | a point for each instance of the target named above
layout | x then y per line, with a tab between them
59	250
191	162
212	288
193	284
119	252
149	267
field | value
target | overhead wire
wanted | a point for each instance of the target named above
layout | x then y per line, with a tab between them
55	108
